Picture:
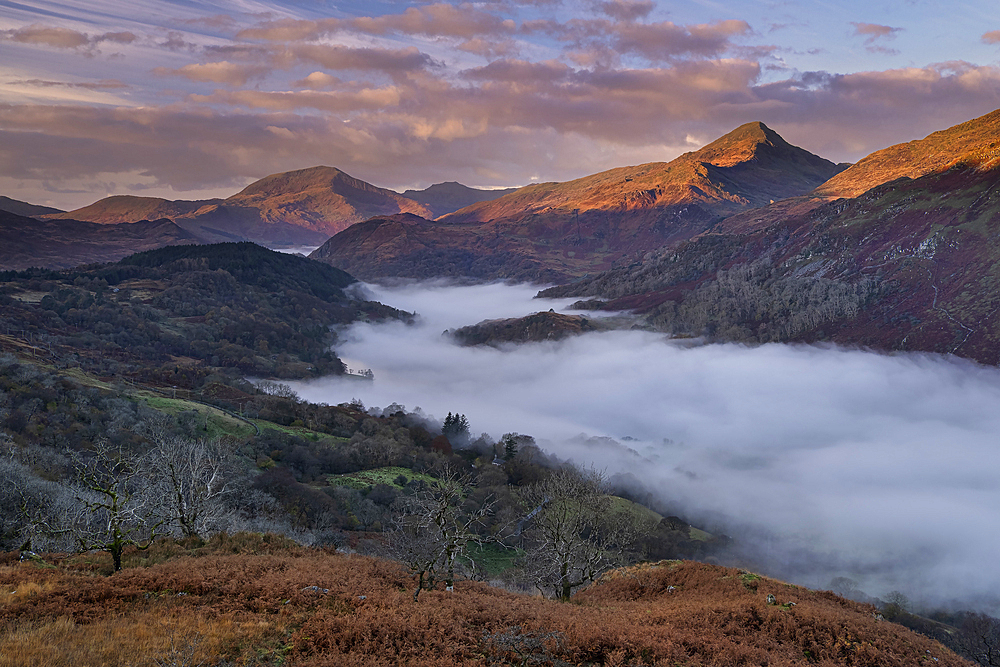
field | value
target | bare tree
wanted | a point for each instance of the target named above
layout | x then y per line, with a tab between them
198	477
410	543
435	526
572	534
978	639
115	509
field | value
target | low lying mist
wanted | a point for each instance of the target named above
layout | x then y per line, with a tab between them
821	462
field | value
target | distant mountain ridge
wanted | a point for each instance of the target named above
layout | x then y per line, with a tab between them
63	244
445	198
554	231
301	207
750	166
975	143
24	208
118	209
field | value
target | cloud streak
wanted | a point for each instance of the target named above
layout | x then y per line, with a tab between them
823	462
64	38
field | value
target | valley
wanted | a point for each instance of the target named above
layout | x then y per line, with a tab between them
733	355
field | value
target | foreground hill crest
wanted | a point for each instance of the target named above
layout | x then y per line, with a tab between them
320	609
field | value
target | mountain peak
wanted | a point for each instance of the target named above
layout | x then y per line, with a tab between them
747	142
323	199
450	196
297	181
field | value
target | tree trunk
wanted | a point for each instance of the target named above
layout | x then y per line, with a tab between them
564	580
116	555
420	585
449	584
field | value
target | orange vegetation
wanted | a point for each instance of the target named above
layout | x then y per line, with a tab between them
286	605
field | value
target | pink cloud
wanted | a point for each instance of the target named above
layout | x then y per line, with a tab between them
60	38
316	80
991	37
626	10
337	57
233	74
489	48
289	30
339	101
437	20
874	34
64	38
661	42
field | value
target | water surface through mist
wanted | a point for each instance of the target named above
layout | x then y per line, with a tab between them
822	461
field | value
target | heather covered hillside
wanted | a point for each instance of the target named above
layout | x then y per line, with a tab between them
258	600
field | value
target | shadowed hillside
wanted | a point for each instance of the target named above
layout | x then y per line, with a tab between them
233	306
24	208
62	244
444	198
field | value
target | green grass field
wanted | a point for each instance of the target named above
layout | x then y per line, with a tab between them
493	558
368	478
214	423
299	432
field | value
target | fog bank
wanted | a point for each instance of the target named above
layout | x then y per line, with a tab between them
827	462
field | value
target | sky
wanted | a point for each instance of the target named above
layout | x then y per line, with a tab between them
822	462
189	99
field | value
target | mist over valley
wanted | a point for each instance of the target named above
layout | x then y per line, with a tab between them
820	461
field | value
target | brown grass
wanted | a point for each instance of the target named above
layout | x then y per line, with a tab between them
261	609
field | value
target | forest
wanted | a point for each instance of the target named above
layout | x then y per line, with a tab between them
176	315
713	287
